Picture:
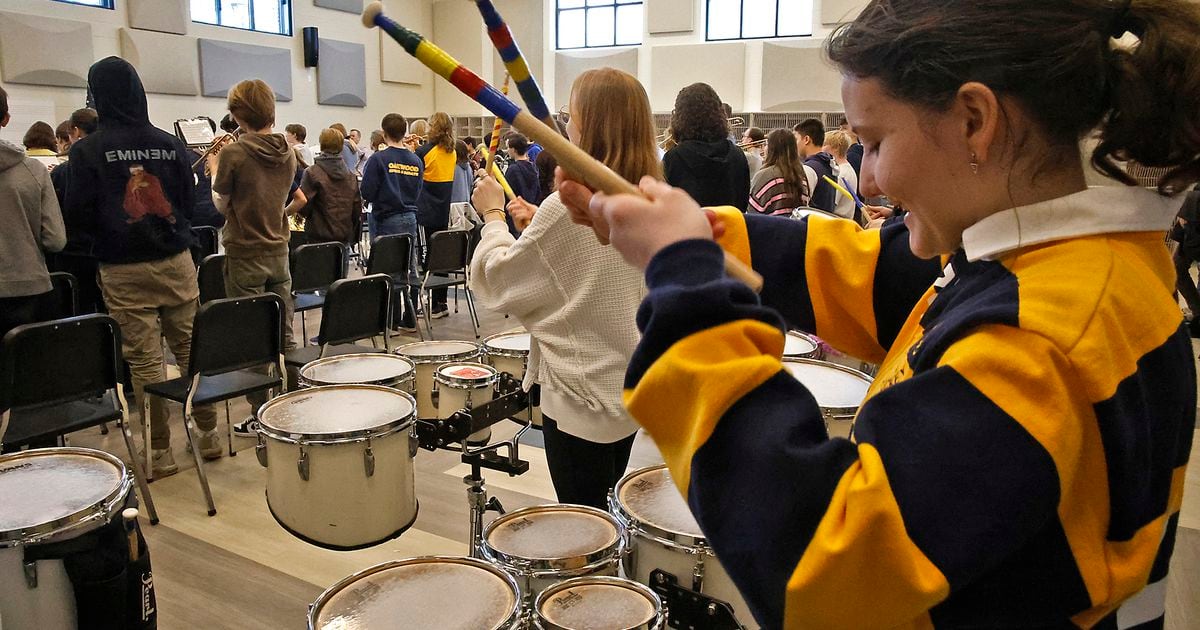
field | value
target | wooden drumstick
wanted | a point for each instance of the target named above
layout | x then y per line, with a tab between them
129	519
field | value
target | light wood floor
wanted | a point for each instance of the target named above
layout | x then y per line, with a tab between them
240	570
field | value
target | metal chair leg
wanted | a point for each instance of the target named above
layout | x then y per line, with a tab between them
428	297
146	433
303	330
229	430
412	310
103	428
188	425
139	472
474	315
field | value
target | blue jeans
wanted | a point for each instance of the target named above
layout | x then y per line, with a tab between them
402	223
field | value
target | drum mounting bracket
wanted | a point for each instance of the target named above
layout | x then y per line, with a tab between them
689	610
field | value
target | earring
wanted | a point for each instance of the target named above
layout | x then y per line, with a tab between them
974	163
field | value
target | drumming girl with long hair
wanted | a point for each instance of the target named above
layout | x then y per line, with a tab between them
1020	459
784	183
577	298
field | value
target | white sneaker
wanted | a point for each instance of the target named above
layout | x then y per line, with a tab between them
242	429
210	444
162	463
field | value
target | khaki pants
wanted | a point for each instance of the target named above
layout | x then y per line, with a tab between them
262	274
152	300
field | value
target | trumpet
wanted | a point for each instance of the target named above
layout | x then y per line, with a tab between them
213	149
753	144
736	121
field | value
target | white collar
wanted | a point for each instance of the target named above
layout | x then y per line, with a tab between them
1100	210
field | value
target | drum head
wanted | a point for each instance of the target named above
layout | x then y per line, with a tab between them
337	411
797	344
617	604
552	532
834	386
509	342
438	351
650	496
350	369
420	594
56	487
466	374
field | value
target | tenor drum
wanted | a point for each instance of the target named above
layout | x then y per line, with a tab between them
599	603
431	593
428	357
546	544
665	536
798	345
839	391
339	463
465	386
385	370
49	496
509	352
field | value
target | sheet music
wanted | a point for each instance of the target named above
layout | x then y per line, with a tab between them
195	131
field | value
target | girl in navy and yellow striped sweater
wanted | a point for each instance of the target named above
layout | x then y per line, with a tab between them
1019	461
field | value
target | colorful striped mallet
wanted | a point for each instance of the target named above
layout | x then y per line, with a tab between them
494	145
582	167
514	62
499	175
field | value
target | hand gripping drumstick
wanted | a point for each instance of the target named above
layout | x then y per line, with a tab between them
571	158
514	61
494	145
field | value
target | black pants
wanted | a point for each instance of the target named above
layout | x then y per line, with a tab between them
85	269
15	311
583	472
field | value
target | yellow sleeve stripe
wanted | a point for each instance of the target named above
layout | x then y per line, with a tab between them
862	546
841	285
736	240
684	394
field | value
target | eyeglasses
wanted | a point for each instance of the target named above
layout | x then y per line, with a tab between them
564	116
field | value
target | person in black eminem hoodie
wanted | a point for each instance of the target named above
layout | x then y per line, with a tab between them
704	162
131	189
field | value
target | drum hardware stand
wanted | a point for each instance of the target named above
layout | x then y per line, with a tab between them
449	432
688	609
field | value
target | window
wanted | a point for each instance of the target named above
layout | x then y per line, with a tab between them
758	19
264	16
594	23
103	4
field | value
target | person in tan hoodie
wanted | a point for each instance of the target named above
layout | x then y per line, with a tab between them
252	183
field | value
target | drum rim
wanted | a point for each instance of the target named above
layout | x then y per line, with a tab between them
638	526
489	351
439	358
466	383
599	580
834	413
814	354
382	430
400	378
87	518
314	609
610	551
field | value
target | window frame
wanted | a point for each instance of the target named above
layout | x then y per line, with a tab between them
284	6
742	25
108	5
558	10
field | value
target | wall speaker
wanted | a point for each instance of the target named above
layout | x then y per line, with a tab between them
312	50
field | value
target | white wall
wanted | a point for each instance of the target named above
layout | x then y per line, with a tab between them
411	100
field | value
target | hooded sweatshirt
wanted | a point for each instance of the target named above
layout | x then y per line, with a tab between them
334	205
255	174
30	223
713	173
130	185
824	197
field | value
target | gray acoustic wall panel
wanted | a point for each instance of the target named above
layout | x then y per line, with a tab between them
349	6
45	51
569	65
798	78
838	11
224	64
395	65
162	73
526	19
670	16
164	16
342	75
723	66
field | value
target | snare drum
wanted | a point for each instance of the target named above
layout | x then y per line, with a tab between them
428	357
465	386
599	603
509	352
839	391
798	345
339	463
665	536
48	496
385	370
431	593
546	544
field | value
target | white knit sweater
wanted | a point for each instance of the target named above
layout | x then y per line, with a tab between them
578	299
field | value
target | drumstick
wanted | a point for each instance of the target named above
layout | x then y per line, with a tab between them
571	158
499	176
514	61
129	519
494	145
842	189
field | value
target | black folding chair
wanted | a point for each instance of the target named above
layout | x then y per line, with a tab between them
231	337
62	376
447	255
355	309
63	299
391	255
314	267
212	278
205	245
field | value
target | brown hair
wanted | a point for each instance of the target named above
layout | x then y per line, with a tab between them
699	115
86	120
40	136
461	153
755	134
340	127
441	131
3	103
394	127
297	130
377	139
616	123
331	141
783	154
62	133
1058	61
253	102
